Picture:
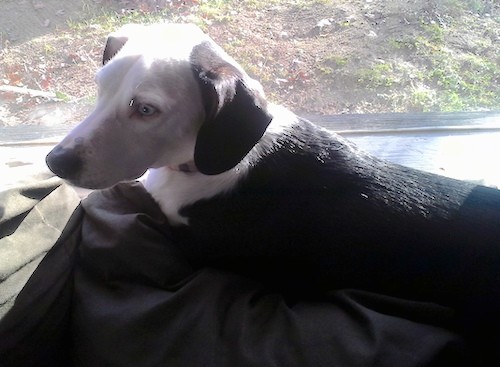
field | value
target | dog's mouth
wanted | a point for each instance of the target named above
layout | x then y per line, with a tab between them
68	165
188	167
96	182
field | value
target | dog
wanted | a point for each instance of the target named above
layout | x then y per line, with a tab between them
250	186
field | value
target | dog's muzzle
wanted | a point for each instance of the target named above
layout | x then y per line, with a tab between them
65	163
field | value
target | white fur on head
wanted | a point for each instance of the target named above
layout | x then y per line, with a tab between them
144	66
204	108
168	40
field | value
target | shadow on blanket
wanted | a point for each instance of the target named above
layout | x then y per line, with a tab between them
105	285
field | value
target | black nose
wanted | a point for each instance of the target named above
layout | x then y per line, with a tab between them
65	163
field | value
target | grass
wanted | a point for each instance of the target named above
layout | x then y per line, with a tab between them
450	85
378	76
63	96
464	80
205	13
480	7
332	63
264	4
444	78
109	21
420	69
440	79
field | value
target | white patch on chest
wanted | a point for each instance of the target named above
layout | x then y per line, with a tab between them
173	189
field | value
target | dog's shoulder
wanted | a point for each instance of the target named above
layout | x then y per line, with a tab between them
298	152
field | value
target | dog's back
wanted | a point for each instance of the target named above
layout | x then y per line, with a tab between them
316	212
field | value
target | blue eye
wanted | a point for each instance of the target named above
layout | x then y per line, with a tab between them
143	109
146	110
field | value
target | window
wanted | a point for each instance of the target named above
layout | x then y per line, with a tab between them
412	81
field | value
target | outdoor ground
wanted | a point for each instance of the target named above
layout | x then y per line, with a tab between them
316	56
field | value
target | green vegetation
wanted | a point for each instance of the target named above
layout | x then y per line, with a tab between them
365	56
380	75
332	64
63	96
264	4
440	76
202	14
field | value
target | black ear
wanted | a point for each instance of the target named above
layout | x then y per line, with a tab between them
113	45
237	116
118	38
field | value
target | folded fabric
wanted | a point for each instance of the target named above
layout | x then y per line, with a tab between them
39	231
116	290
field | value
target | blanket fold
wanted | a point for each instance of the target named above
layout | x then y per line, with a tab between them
108	286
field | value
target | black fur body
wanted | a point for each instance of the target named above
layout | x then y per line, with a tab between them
315	213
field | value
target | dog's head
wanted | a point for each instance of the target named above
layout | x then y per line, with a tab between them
167	95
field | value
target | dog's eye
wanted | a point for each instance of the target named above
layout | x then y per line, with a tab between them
142	109
146	110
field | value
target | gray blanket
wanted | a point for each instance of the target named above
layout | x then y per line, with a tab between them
103	284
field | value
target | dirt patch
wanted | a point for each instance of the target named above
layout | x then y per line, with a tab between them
364	56
313	56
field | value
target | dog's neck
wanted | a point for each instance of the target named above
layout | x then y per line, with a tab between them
174	187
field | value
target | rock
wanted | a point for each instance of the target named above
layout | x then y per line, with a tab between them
323	23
